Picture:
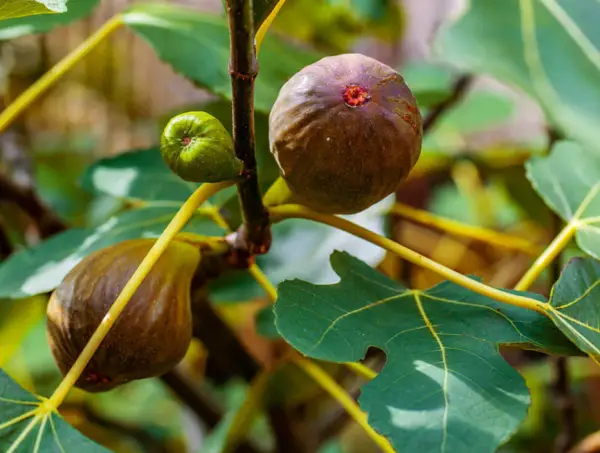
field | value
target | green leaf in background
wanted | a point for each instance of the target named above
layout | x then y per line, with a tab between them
197	46
41	23
568	180
145	404
33	365
10	9
444	377
574	299
449	202
516	41
480	110
41	268
234	394
301	249
50	434
137	175
430	83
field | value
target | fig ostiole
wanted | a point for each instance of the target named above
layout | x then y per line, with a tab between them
345	132
197	147
153	332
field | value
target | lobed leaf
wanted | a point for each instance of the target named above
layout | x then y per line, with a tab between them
568	180
50	434
516	41
41	268
444	378
574	299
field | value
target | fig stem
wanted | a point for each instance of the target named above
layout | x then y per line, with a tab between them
243	69
279	213
269	288
486	235
263	281
21	103
187	210
547	256
341	396
262	30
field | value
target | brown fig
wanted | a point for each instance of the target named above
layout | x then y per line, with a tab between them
153	332
345	131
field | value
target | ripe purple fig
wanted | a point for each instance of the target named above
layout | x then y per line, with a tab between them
153	332
345	131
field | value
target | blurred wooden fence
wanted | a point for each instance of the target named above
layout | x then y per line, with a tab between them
113	98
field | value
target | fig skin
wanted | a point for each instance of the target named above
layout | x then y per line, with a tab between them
153	332
345	132
197	147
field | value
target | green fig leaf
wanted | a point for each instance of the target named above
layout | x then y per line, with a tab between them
444	377
188	39
516	42
430	83
41	268
574	299
46	434
138	175
568	180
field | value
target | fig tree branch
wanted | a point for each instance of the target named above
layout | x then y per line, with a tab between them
227	356
460	88
561	388
5	243
243	69
203	405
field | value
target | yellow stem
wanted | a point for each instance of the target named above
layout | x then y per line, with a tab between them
361	370
342	397
298	211
244	416
472	232
263	281
262	31
10	113
551	252
268	287
203	193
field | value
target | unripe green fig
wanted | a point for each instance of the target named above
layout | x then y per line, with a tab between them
198	148
152	333
345	132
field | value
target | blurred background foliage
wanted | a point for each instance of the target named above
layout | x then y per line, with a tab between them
470	170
